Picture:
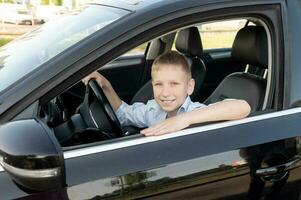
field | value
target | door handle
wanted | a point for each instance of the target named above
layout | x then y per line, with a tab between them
278	168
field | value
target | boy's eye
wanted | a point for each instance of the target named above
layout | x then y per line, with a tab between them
158	84
174	83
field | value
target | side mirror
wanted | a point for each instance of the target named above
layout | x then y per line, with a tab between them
30	154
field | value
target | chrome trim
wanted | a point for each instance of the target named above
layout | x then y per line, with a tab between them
265	74
121	63
270	69
93	119
279	168
247	68
195	130
42	173
220	55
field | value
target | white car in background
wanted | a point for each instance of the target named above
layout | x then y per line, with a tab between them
48	12
17	14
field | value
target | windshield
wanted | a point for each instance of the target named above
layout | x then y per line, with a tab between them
27	53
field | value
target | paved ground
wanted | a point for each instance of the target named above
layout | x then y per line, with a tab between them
12	30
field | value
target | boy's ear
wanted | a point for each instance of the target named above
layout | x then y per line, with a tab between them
191	84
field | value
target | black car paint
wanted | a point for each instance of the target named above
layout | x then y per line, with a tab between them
22	160
98	173
193	152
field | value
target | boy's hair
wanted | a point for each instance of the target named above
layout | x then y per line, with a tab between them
172	58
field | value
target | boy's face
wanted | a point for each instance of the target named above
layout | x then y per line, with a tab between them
171	85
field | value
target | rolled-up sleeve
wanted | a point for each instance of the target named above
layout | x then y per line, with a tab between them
132	115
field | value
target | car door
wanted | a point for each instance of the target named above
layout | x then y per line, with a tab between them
191	162
250	158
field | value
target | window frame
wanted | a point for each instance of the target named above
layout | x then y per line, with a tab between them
191	130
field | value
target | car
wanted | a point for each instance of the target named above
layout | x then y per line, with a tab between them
16	14
45	13
60	139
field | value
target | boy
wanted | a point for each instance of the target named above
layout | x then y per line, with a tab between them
171	109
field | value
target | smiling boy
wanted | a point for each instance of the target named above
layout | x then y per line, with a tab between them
171	109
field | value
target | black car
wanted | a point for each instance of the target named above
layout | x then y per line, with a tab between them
60	139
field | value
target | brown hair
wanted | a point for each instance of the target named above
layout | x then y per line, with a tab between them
172	58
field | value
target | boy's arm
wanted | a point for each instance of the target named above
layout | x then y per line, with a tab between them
107	88
224	110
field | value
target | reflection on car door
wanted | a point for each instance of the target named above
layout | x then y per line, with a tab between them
221	161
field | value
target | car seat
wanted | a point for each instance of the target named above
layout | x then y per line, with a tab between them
250	47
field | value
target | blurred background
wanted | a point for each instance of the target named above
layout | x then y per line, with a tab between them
20	16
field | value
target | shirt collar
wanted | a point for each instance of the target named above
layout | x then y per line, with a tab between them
185	105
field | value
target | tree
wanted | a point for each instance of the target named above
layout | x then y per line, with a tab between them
44	2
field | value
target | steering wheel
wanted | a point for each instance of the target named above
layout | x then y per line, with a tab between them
101	111
53	113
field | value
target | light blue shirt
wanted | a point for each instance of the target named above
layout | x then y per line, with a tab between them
146	115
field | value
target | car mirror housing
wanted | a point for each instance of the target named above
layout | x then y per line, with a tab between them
30	154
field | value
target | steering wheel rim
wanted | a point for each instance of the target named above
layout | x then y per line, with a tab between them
107	108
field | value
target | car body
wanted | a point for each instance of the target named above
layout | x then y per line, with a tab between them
253	158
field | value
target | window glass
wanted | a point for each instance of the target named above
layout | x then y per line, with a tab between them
137	50
220	34
29	52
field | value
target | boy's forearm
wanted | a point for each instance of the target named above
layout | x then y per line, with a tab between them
224	110
112	96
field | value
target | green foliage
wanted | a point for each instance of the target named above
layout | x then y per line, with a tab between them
57	2
136	178
3	41
44	2
6	1
73	3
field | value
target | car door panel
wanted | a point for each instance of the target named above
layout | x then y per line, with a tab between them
164	179
239	187
148	165
125	74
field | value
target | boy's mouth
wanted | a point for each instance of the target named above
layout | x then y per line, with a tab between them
167	101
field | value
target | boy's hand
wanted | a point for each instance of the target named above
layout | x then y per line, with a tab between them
100	79
169	125
107	88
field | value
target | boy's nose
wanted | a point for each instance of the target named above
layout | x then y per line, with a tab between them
165	91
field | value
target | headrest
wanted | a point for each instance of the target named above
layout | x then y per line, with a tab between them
188	42
251	47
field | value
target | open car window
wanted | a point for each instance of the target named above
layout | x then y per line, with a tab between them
80	119
221	34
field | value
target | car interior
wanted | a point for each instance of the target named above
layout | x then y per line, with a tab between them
250	48
83	114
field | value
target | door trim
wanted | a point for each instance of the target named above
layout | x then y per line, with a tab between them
196	130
